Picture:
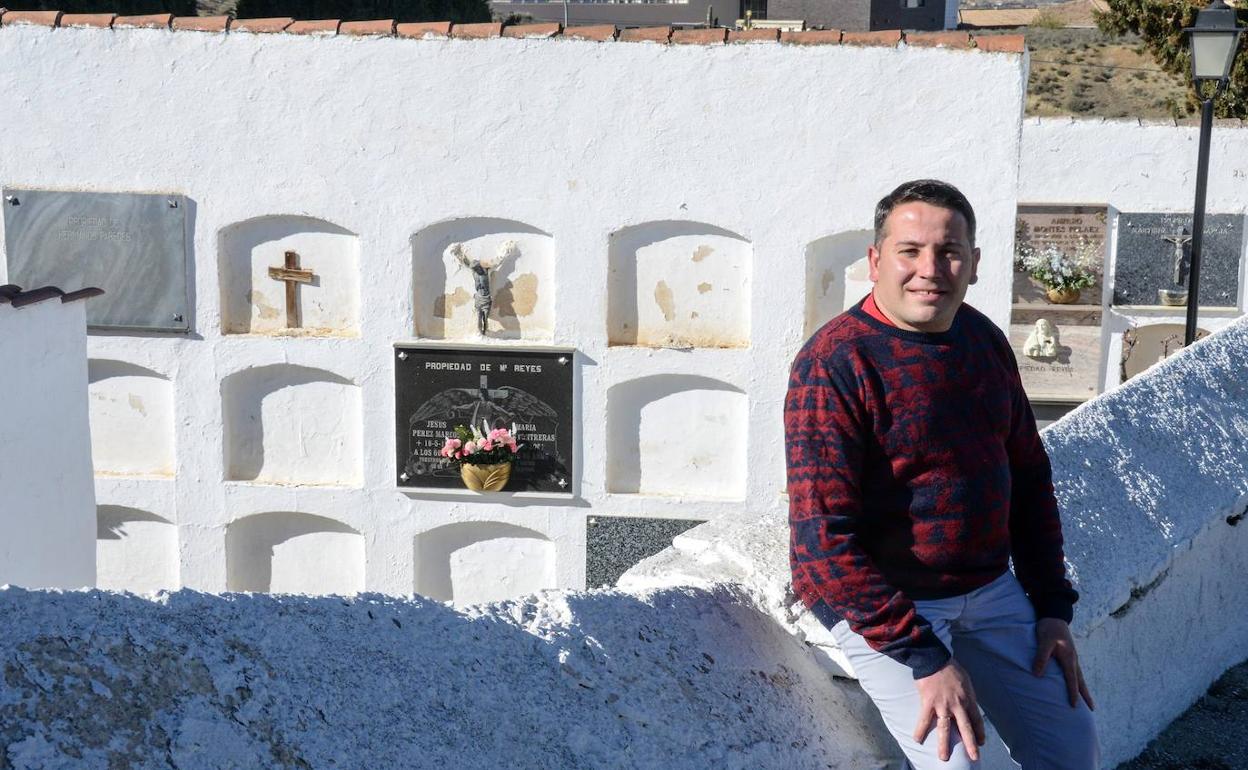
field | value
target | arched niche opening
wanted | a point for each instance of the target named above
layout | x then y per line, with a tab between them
321	279
292	425
1148	345
285	552
677	435
676	284
135	550
483	561
131	413
521	264
836	275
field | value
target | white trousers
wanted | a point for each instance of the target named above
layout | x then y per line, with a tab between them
992	633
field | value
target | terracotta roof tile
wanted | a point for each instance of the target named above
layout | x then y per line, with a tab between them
422	29
377	27
532	30
812	37
1001	43
38	18
276	24
646	35
477	31
885	37
202	23
707	36
93	20
597	32
324	27
150	21
13	294
753	35
949	39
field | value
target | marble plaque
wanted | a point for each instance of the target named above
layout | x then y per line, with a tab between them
1058	357
615	544
1063	226
133	246
1155	251
439	388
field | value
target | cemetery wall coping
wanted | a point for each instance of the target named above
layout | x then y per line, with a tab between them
446	29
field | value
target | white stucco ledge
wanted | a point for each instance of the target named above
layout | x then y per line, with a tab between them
671	678
1152	479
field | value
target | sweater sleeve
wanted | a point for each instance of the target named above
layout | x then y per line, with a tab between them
825	424
1035	525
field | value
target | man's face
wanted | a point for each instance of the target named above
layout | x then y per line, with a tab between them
922	266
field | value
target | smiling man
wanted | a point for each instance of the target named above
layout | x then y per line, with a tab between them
915	475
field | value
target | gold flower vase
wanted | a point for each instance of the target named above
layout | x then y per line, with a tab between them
485	478
1062	296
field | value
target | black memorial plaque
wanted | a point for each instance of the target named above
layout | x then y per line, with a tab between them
131	245
616	544
1155	252
439	388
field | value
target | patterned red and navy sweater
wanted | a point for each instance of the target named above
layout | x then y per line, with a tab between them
915	471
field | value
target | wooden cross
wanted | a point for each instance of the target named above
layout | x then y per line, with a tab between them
292	275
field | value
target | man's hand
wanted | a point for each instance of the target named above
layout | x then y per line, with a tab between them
1053	640
948	701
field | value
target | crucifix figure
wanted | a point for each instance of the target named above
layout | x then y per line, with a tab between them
1179	239
292	275
482	299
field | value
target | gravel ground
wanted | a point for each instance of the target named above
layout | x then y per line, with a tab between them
1211	735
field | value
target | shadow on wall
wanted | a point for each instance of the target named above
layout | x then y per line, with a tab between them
677	435
521	286
131	413
484	561
291	424
135	550
252	302
828	263
678	284
287	552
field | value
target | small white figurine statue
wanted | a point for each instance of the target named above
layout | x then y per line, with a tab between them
482	300
1042	342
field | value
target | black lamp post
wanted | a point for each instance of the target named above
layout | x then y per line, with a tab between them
1214	39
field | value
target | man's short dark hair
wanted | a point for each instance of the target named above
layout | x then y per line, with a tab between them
930	191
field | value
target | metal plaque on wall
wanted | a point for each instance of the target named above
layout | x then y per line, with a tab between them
131	245
1155	256
439	388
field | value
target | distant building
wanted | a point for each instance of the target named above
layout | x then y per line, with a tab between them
848	15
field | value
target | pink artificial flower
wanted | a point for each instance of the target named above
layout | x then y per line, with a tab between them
448	449
470	447
487	445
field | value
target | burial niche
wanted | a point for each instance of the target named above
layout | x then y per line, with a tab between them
1145	346
483	561
289	275
135	550
678	285
292	425
131	413
836	275
297	553
677	435
480	273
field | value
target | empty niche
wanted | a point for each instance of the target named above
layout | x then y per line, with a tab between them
1145	346
131	414
478	562
677	435
295	553
453	263
291	425
267	260
836	275
135	550
678	285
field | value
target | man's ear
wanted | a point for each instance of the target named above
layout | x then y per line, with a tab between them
873	263
974	264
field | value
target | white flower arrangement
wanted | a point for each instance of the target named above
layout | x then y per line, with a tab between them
1058	270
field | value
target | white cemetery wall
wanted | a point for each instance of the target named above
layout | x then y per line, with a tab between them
592	157
1152	480
47	501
